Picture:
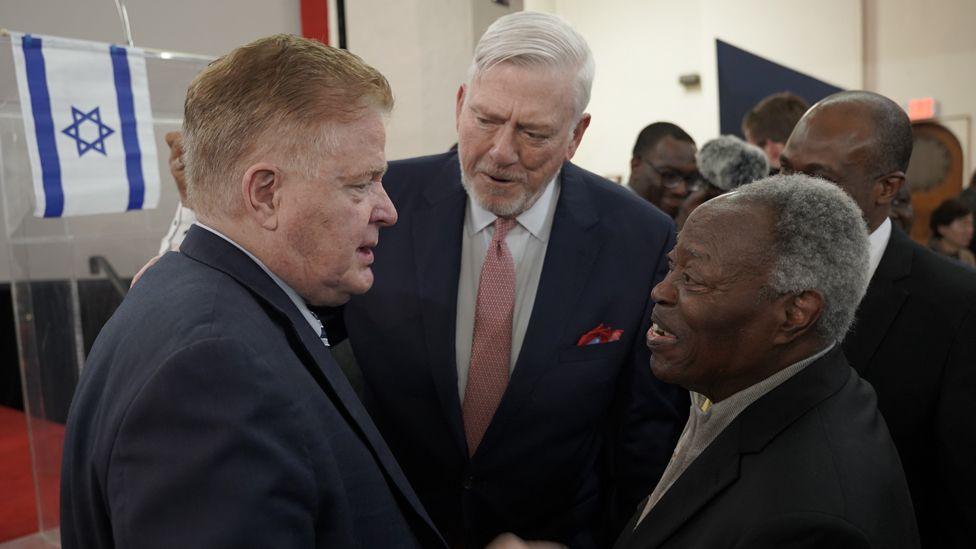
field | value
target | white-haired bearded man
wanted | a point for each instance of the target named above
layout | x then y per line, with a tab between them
501	347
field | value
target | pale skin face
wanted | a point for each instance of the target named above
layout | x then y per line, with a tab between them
772	148
317	233
516	126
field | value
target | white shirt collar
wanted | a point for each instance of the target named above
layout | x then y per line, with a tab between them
309	316
878	241
533	219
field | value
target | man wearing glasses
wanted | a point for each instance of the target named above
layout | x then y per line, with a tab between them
663	169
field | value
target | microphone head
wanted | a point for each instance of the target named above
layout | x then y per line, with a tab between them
727	162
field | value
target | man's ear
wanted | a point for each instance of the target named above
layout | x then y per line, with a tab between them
261	187
578	132
773	149
459	103
887	187
799	312
635	163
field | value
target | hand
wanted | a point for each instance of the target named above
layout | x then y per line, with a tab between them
511	541
144	269
176	165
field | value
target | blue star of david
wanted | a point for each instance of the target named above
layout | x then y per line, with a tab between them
73	131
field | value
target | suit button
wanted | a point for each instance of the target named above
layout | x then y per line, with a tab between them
468	482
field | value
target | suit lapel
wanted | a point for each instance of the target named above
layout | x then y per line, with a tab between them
719	465
881	303
715	469
212	250
436	232
626	537
573	246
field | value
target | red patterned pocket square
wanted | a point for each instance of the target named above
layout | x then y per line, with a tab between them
600	334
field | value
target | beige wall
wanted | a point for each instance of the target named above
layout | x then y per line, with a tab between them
902	48
424	48
209	27
641	48
926	48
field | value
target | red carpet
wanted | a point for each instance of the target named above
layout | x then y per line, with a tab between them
18	508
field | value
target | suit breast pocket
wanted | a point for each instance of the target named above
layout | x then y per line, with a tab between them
613	350
579	387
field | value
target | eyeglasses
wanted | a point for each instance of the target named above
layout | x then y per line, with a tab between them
672	178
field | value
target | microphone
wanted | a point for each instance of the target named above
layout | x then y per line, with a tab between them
727	162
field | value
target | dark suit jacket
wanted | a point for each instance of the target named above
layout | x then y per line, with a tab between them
915	341
809	464
210	414
543	468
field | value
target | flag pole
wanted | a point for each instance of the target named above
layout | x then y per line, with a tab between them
124	16
151	53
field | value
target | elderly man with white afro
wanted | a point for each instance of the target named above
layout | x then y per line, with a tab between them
784	444
821	244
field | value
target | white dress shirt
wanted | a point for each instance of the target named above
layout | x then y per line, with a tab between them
878	241
310	317
181	223
527	241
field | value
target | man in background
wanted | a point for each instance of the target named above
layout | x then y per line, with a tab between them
913	337
768	125
662	167
501	346
184	218
210	413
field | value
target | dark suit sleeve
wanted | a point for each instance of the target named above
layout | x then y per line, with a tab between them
956	440
805	531
210	454
651	417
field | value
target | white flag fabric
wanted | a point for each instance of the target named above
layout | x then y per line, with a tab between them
88	124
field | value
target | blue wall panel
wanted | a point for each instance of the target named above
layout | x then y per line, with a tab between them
745	78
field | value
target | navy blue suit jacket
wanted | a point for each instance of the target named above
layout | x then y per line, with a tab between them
210	414
580	430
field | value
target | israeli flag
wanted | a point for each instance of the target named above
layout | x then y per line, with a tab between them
88	124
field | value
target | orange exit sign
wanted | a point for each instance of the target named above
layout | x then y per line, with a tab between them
922	108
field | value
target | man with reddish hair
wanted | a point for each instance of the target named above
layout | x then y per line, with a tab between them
210	412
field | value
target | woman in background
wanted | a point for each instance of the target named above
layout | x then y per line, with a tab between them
952	230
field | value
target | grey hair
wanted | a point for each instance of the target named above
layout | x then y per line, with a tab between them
820	244
728	162
529	38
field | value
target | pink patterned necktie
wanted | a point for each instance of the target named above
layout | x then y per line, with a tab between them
491	346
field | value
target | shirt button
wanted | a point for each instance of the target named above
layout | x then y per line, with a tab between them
468	482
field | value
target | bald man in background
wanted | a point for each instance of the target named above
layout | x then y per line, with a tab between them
914	338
